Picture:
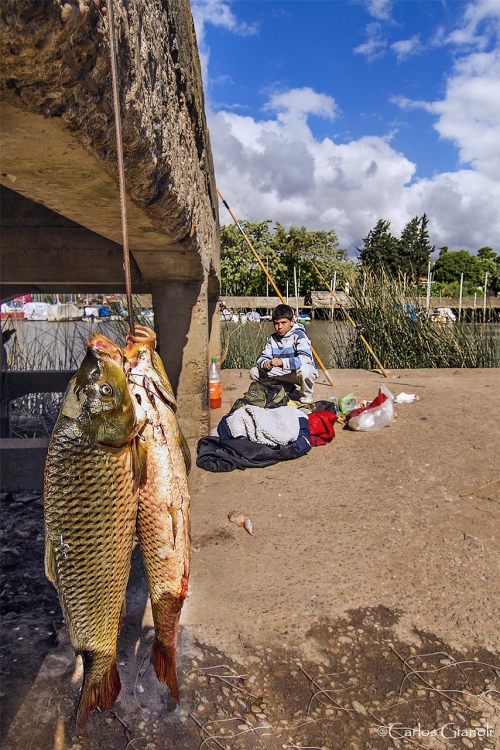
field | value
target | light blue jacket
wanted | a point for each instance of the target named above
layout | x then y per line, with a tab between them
294	349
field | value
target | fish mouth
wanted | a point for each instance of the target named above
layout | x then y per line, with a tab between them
102	345
142	336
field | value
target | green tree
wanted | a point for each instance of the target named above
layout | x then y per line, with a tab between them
415	248
241	274
297	246
381	250
451	264
281	251
490	264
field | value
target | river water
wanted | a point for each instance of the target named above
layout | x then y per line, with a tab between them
41	345
59	345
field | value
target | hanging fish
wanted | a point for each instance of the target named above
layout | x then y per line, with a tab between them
163	514
90	505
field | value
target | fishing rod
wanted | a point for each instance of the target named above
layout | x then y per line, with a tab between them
348	316
257	257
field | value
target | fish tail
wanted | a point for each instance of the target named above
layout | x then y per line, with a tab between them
100	693
164	663
166	616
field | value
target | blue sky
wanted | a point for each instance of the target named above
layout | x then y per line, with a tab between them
336	113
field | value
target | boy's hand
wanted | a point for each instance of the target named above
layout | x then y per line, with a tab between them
268	364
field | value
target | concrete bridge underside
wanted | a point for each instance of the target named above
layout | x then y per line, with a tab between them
60	210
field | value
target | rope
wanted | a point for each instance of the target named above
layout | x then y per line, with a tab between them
121	169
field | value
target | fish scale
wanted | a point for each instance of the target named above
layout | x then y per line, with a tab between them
163	531
163	515
90	503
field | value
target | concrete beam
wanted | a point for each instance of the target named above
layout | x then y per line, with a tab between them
22	463
181	324
58	140
17	383
76	187
61	255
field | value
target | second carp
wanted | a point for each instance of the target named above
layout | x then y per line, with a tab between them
163	512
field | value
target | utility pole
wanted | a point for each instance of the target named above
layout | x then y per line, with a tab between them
460	300
485	294
428	286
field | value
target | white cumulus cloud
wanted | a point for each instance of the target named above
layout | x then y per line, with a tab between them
407	47
375	44
275	166
469	115
461	206
480	22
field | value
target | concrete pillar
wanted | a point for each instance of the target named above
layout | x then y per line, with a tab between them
181	324
5	431
214	349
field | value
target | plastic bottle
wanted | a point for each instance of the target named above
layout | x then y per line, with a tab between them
215	386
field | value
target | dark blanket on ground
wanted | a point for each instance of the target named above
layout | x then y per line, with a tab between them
227	454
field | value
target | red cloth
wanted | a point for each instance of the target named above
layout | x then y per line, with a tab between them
321	427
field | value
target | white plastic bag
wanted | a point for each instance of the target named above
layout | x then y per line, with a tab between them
406	398
377	415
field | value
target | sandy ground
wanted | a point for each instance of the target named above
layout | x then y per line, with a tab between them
373	557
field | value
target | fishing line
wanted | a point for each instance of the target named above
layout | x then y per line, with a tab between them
351	321
121	169
254	251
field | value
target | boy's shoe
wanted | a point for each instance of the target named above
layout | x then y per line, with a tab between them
306	400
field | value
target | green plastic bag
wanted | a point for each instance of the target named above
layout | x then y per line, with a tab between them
348	403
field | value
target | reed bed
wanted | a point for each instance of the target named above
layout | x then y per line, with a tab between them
242	344
403	338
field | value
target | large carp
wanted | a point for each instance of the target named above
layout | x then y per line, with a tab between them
163	515
91	480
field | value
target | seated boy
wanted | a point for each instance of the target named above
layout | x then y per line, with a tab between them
287	356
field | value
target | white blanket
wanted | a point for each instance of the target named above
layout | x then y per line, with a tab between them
267	426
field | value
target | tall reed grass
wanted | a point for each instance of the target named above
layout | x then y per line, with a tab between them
401	341
400	338
242	344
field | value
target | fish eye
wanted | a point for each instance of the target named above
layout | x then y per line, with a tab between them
105	390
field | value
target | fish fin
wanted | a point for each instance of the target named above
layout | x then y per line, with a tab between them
163	661
101	694
72	406
186	453
162	383
50	561
140	463
173	520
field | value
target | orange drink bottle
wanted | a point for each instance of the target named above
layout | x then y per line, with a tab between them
215	386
